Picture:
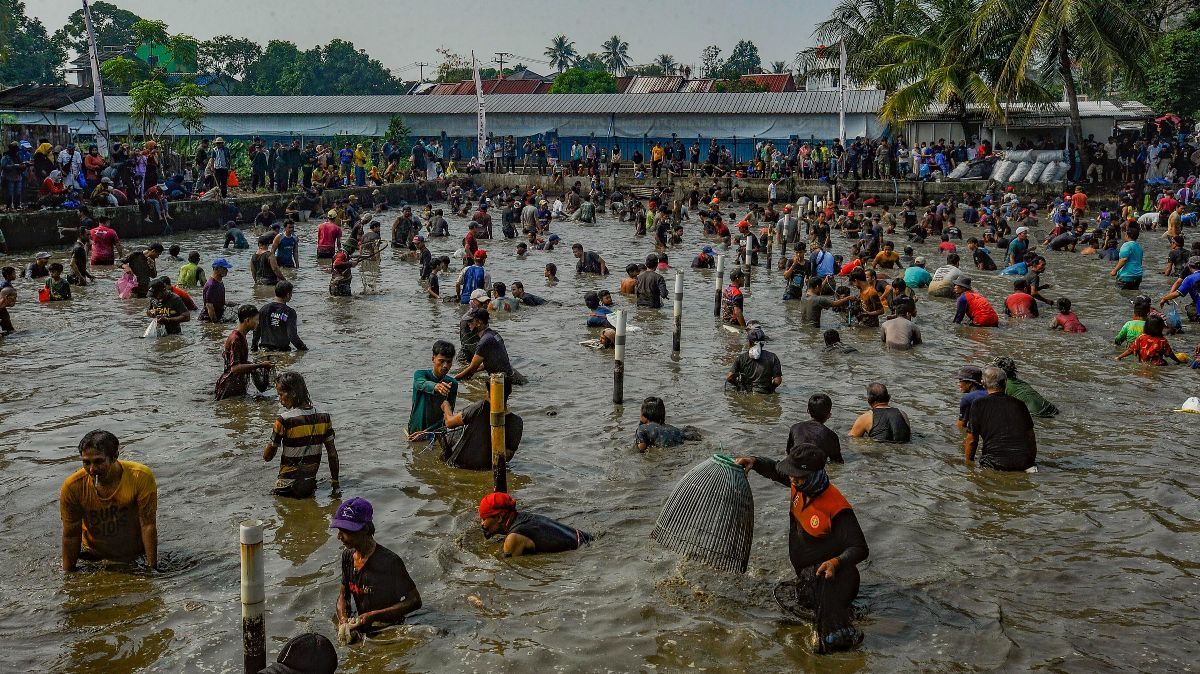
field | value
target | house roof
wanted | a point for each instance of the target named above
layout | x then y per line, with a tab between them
490	87
1114	109
698	86
665	84
774	82
867	101
43	96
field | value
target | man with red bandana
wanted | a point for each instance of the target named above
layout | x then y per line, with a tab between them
825	543
524	533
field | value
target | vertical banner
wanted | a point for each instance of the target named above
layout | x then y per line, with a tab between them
97	86
481	131
842	92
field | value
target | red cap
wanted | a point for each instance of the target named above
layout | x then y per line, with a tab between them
481	255
743	225
496	504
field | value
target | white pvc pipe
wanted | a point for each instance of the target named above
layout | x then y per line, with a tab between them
678	328
254	597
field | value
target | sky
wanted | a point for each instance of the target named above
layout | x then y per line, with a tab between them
399	34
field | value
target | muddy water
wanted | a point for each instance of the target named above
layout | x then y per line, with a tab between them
1089	565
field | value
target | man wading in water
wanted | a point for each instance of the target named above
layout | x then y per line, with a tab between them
526	534
376	590
825	543
109	508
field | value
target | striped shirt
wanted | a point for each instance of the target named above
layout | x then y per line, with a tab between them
300	433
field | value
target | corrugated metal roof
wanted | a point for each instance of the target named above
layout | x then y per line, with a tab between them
697	86
1116	109
795	102
623	83
666	84
775	82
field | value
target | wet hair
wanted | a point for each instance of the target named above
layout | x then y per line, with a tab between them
632	269
552	268
1021	285
1141	306
591	300
1155	326
266	239
1064	305
56	267
662	258
283	288
9	272
194	257
899	285
499	288
905	306
952	259
517	285
654	409
877	393
158	247
736	275
1133	231
102	441
858	275
294	387
444	260
246	311
832	337
577	246
158	286
994	378
443	348
820	406
174	249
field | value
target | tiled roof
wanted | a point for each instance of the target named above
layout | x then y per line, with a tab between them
774	82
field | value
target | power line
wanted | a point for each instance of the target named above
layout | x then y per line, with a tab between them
501	55
421	65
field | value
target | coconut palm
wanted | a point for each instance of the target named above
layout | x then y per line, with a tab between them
615	53
943	68
1101	37
667	62
561	52
862	25
779	67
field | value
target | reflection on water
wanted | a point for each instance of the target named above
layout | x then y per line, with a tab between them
1087	565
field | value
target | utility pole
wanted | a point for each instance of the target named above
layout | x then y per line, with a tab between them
421	65
501	55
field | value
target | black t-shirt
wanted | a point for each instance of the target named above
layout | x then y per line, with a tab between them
1002	425
1179	258
382	582
495	356
811	308
817	433
548	535
756	375
471	447
984	261
169	306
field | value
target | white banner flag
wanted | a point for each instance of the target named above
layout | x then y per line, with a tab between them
97	86
481	140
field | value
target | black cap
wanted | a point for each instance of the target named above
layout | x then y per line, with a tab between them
308	653
804	459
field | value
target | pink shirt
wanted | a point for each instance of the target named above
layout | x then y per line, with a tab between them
1069	322
104	239
327	234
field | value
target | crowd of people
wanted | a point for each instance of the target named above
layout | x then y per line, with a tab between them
108	507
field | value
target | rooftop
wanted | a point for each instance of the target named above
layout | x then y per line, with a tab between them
867	101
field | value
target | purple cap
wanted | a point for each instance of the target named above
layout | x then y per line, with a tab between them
353	514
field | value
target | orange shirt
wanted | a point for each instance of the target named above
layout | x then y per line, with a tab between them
1079	201
111	526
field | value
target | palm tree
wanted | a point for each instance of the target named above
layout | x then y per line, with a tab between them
862	25
1097	36
667	63
779	67
561	52
615	53
944	66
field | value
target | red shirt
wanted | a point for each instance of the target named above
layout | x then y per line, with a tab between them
104	239
327	235
1019	305
1167	204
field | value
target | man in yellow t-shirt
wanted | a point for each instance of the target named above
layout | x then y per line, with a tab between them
109	507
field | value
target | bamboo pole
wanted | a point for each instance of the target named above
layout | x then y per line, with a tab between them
498	412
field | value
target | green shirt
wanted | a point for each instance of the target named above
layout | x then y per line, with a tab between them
1038	406
426	404
1130	331
190	276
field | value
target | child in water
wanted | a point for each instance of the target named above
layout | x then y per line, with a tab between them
598	318
59	288
1150	346
551	273
654	431
1065	319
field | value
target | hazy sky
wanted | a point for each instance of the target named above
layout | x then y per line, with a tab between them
402	33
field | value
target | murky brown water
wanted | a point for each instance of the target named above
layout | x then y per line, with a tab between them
1089	565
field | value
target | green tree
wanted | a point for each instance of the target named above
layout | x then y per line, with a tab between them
861	25
453	68
345	70
149	101
561	52
264	76
1172	80
120	73
583	81
743	60
149	31
186	105
227	55
185	49
615	53
27	55
1106	38
711	62
779	67
738	86
398	133
668	64
590	61
114	27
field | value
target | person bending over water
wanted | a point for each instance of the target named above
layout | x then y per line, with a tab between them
525	533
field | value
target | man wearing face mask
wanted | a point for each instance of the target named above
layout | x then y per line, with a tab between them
825	543
109	508
756	369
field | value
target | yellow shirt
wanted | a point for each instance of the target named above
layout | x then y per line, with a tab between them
111	526
656	153
360	158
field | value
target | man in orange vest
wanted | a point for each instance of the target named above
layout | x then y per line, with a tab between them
973	306
825	543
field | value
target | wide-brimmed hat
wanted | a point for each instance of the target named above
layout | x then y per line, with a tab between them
971	375
804	460
963	282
